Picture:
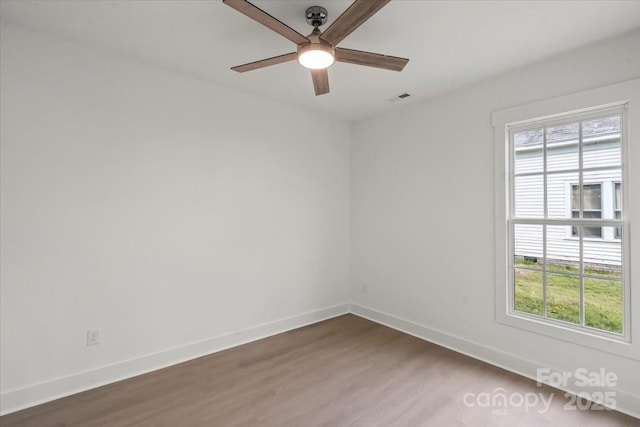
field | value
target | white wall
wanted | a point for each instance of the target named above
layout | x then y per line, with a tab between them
423	214
167	211
157	208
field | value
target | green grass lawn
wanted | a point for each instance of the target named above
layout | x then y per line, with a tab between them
602	297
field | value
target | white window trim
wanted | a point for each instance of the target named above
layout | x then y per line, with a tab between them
626	93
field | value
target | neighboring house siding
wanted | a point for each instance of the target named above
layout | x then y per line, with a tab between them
561	245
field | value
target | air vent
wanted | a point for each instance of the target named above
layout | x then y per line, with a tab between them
399	97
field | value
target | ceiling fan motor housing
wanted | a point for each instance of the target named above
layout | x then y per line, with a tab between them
316	16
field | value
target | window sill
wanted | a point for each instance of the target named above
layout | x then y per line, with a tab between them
610	343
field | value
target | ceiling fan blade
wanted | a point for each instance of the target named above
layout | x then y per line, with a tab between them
359	12
265	62
320	81
267	20
370	59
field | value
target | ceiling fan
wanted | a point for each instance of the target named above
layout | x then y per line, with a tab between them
318	50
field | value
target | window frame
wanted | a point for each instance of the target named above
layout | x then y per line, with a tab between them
624	95
601	222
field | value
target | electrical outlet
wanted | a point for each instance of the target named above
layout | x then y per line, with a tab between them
93	337
365	289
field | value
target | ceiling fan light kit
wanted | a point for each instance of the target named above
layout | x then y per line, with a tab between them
318	51
316	55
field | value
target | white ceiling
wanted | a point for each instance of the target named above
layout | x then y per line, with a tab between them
450	43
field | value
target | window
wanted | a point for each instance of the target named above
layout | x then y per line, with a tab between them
553	160
592	207
577	283
602	200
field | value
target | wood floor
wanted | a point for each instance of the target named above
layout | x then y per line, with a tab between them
346	371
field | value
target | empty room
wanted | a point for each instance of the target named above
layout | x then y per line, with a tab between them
319	213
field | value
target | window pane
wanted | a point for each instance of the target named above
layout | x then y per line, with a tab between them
528	151
563	297
528	138
562	147
589	232
602	126
603	258
563	254
559	193
528	291
529	196
606	153
592	194
603	304
562	134
601	144
528	245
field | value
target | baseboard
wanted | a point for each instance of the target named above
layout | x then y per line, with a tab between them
36	394
626	402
